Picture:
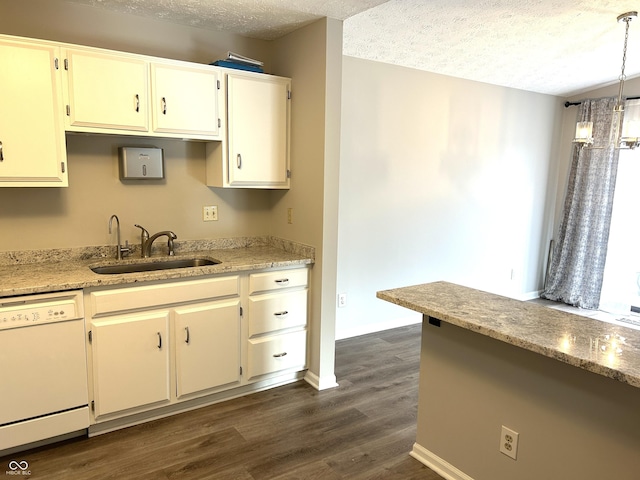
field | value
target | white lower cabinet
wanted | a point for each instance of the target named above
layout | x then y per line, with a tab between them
130	362
207	339
277	338
159	347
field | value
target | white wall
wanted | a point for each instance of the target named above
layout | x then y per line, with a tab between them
440	179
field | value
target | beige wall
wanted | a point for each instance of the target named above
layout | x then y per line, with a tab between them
78	215
572	423
312	56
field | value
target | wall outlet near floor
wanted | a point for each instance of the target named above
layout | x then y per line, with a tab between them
509	442
210	213
342	300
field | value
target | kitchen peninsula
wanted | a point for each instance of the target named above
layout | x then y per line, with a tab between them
568	385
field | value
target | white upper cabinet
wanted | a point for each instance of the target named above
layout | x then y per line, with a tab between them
185	99
32	143
106	92
258	126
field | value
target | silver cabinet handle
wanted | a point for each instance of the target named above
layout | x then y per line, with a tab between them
279	355
239	161
164	106
186	329
281	314
137	102
282	281
1	153
159	341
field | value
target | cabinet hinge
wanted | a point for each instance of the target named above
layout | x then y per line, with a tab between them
68	110
66	64
288	173
90	335
240	370
93	405
218	83
219	123
288	94
62	166
55	63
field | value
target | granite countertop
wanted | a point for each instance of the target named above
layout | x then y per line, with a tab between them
41	271
594	345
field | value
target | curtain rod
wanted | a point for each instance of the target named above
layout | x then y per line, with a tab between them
571	104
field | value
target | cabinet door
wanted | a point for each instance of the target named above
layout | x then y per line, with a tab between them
107	91
258	131
207	346
32	143
130	362
185	100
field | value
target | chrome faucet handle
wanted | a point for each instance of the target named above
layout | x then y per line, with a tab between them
144	234
172	236
144	238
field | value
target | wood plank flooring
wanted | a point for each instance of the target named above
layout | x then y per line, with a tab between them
364	429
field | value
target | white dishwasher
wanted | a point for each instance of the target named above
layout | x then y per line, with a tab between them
43	368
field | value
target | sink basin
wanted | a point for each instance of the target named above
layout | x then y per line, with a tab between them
151	266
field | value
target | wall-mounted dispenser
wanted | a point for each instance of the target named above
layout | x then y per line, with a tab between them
141	163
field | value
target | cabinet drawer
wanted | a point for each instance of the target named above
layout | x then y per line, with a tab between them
133	298
263	282
278	311
276	353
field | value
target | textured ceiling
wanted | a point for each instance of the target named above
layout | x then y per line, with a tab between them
558	47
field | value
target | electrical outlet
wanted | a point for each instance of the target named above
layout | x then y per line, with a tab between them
210	213
509	442
342	300
289	215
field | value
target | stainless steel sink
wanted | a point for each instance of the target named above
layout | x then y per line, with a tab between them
151	266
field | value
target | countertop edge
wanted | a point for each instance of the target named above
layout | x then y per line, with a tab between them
501	334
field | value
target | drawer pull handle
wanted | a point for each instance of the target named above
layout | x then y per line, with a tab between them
279	355
159	341
186	329
281	314
137	102
164	106
239	161
282	281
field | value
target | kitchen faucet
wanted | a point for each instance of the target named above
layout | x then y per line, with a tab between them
146	241
121	251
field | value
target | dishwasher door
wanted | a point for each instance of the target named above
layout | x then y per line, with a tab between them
43	379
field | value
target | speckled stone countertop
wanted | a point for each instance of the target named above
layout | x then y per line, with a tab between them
40	271
593	345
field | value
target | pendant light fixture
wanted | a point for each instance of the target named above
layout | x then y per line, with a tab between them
620	138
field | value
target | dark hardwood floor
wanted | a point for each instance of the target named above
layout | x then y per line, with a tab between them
364	429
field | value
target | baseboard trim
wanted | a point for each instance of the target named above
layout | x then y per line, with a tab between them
529	295
365	329
320	383
437	464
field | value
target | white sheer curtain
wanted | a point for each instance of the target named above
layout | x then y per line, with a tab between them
577	265
621	281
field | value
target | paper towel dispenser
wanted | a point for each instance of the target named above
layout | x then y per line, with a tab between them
141	163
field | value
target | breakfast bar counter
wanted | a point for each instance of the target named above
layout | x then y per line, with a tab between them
568	386
593	345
